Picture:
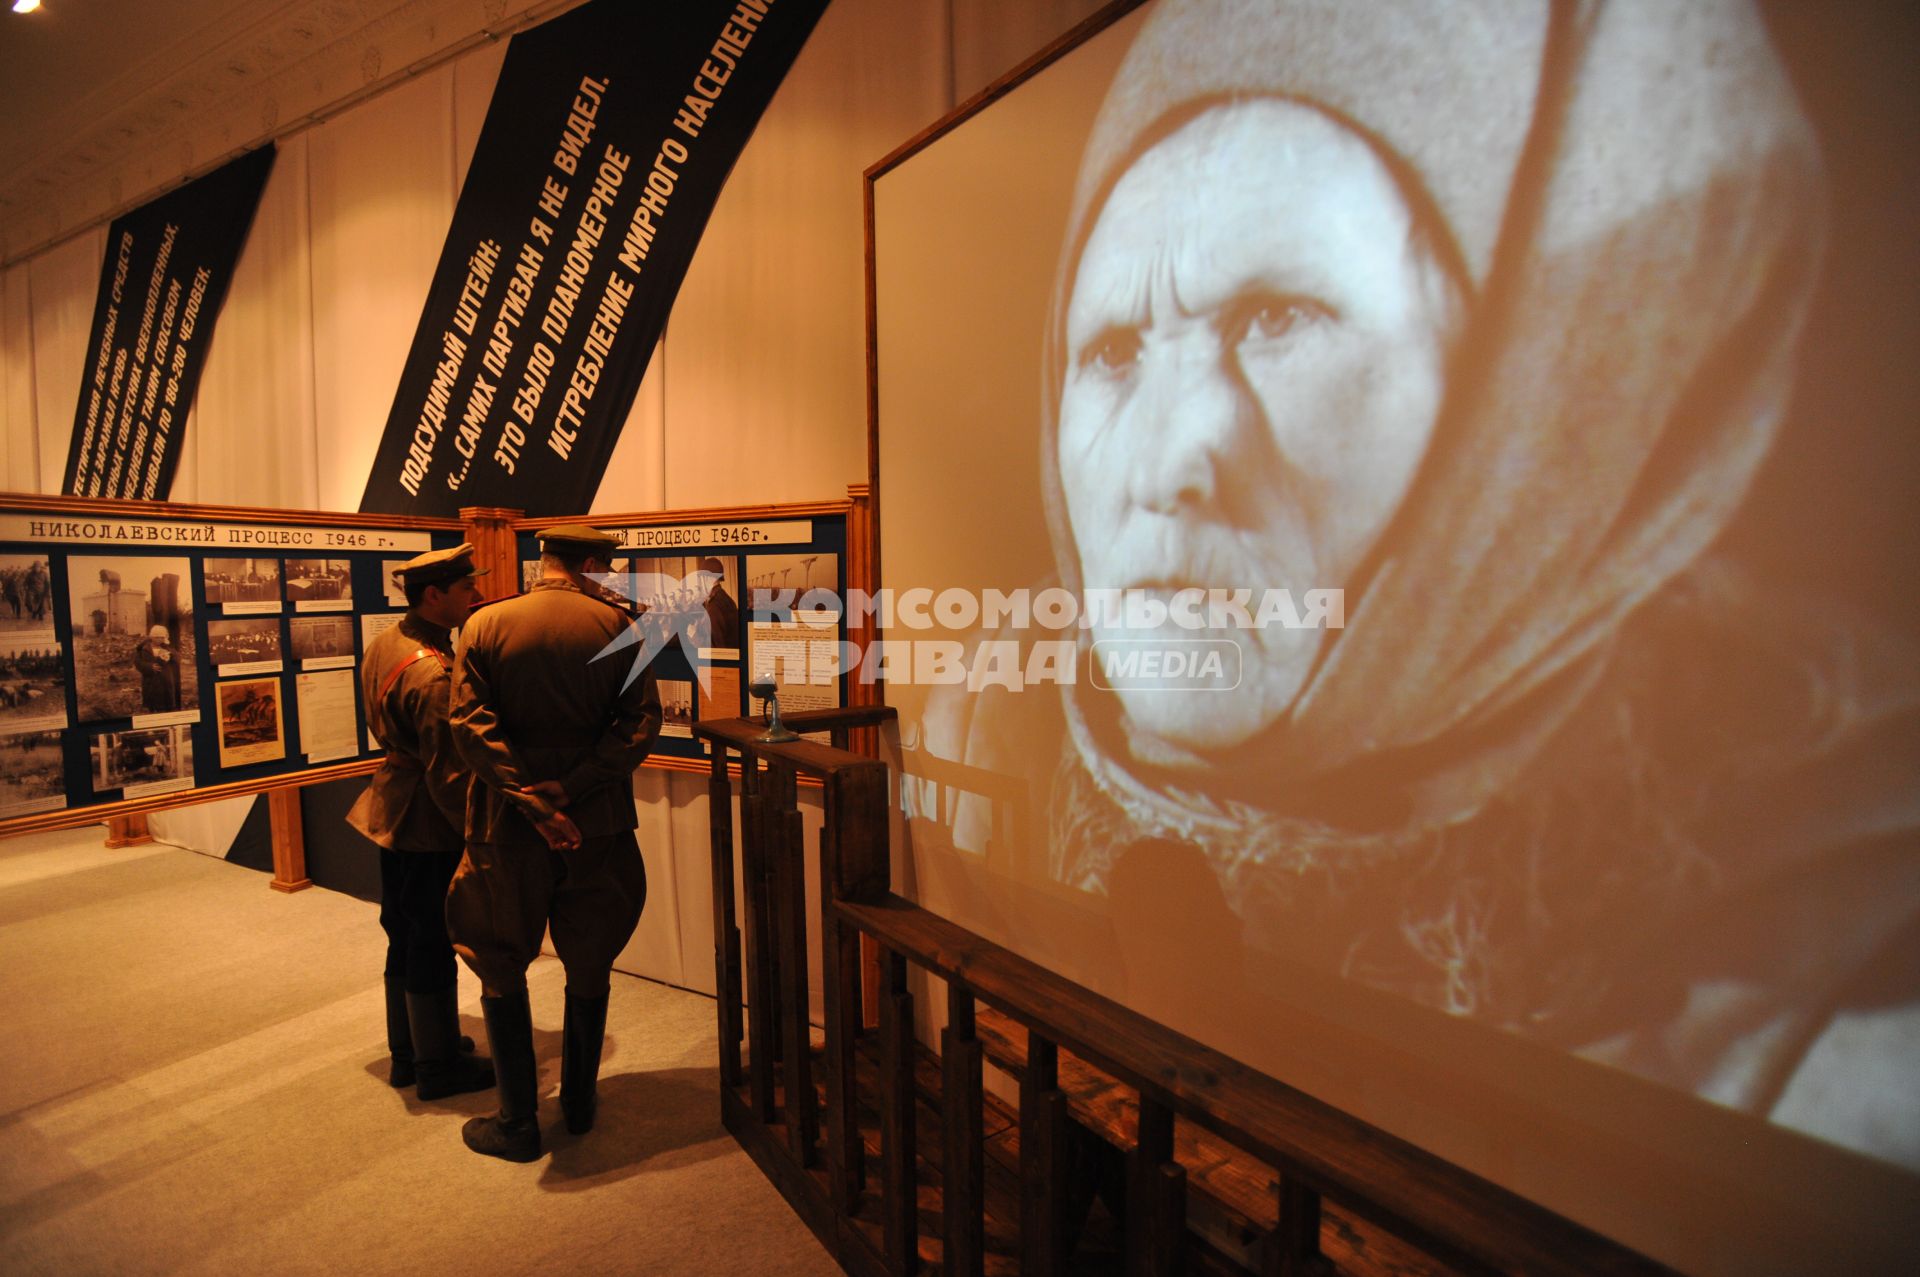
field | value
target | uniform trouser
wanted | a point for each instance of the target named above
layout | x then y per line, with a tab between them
413	912
506	896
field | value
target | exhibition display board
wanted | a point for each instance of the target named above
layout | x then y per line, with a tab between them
153	654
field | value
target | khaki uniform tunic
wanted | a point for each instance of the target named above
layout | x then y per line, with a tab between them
417	801
532	703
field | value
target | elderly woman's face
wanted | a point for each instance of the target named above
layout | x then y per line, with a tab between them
1255	360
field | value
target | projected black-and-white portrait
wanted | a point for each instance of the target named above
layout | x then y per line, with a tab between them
1248	385
1488	316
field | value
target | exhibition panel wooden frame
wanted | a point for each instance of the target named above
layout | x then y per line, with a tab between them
126	817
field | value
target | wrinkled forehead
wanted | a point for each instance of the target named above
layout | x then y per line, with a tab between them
1263	192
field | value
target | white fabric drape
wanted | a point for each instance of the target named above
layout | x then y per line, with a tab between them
60	286
381	196
252	438
756	393
19	442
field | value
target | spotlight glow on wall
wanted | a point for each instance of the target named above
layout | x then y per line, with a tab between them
25	6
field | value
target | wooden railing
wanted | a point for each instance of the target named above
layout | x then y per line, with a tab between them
813	1140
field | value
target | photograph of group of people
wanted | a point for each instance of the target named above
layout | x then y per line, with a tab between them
33	688
242	580
235	581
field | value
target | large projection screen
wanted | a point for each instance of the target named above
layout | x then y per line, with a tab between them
1399	526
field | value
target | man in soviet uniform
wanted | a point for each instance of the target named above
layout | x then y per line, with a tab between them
415	810
553	734
723	614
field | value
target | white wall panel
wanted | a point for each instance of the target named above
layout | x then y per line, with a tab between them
62	282
253	438
766	348
381	181
19	443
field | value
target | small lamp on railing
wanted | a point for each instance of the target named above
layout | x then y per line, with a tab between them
777	733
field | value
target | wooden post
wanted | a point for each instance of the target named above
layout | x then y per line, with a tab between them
490	529
128	831
1295	1247
762	1047
964	1188
863	574
1156	1197
289	840
789	893
1043	1161
726	935
846	1155
855	824
900	1206
870	982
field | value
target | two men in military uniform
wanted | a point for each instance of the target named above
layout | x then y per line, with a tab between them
552	734
505	809
415	810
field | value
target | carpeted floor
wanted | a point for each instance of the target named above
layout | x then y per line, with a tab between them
192	1080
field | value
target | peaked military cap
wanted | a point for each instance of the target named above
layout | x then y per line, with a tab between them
714	566
577	538
439	567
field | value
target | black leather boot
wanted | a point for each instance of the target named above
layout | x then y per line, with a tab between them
514	1132
437	1059
399	1035
580	1040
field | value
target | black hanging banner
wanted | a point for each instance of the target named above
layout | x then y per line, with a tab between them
610	134
166	273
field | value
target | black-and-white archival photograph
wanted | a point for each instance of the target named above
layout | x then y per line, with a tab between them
793	582
230	581
320	581
133	637
692	599
33	682
146	759
249	641
314	637
390	587
676	702
26	593
32	773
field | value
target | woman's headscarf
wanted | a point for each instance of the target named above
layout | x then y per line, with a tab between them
1628	195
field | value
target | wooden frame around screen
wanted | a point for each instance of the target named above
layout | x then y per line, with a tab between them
1081	32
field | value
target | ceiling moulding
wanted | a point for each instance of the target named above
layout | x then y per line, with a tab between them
307	62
